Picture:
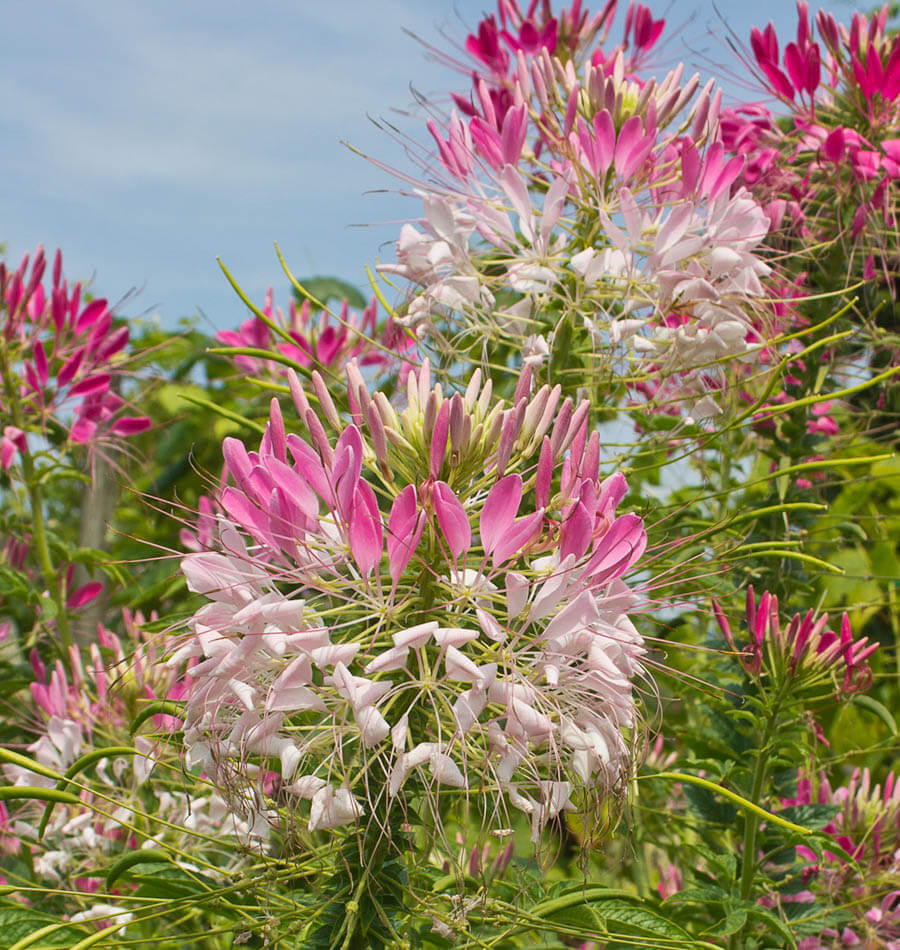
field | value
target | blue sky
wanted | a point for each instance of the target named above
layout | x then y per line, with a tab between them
146	139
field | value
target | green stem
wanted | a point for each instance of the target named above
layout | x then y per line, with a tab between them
751	818
36	501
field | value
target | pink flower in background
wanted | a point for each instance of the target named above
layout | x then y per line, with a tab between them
867	827
64	360
824	169
327	340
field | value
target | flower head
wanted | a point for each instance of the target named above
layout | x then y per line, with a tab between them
60	357
805	650
323	340
429	604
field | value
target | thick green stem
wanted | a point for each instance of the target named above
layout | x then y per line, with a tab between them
38	529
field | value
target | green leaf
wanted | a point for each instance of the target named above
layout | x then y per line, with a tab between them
18	924
879	709
578	916
734	920
773	922
723	862
704	804
810	816
639	916
700	895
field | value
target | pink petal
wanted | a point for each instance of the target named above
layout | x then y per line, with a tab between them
7	452
247	515
346	468
40	362
500	508
115	342
70	368
517	536
576	532
275	431
89	316
130	425
439	438
618	549
93	384
605	140
83	431
309	466
366	539
452	518
405	526
84	595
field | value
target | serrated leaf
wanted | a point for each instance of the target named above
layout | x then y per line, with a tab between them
774	922
700	895
734	920
726	862
707	806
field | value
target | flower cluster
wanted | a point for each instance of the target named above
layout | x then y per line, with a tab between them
867	828
430	603
58	359
805	651
827	170
118	810
577	194
324	341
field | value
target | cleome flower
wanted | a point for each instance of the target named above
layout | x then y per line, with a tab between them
428	608
805	650
59	356
574	201
324	339
867	828
826	163
118	811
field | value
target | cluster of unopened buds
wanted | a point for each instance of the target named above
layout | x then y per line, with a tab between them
804	651
59	358
430	603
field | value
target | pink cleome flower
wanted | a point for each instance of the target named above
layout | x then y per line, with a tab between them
431	602
60	359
